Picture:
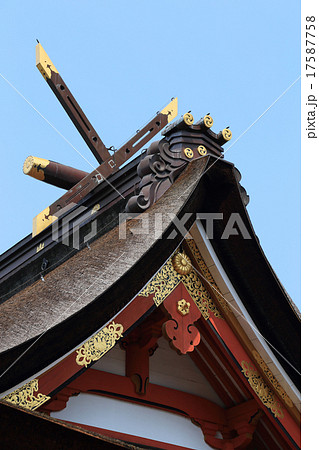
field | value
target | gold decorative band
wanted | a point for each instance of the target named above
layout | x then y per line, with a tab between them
272	379
98	345
27	396
265	394
162	284
166	280
208	276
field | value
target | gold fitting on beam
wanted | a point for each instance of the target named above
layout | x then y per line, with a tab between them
188	152
33	167
95	208
227	134
208	121
171	110
188	119
40	247
44	63
41	221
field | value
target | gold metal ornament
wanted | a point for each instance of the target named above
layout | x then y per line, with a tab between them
227	134
166	280
171	110
183	307
227	309
33	166
40	247
41	221
188	152
265	394
208	276
188	119
162	284
208	121
200	295
27	396
272	379
95	208
98	345
182	264
44	63
202	150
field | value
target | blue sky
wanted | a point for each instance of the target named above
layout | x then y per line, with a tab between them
123	61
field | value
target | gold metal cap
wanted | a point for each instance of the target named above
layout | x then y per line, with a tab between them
171	110
43	62
32	166
41	221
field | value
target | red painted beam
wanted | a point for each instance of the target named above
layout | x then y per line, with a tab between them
165	398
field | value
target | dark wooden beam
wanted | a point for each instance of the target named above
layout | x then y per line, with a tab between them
70	105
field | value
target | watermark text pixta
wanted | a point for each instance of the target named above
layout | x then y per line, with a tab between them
311	33
68	230
156	224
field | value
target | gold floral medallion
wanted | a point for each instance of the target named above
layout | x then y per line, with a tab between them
182	264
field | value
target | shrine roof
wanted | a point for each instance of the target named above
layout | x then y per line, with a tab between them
84	292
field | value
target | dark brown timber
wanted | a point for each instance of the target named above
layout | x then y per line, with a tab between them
74	111
51	172
111	164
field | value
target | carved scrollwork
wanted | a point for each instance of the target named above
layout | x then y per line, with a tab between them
98	345
165	281
158	170
272	379
180	329
265	394
182	339
208	276
27	396
164	161
162	284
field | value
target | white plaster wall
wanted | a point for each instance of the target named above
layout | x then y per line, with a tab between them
130	418
171	370
112	362
167	369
